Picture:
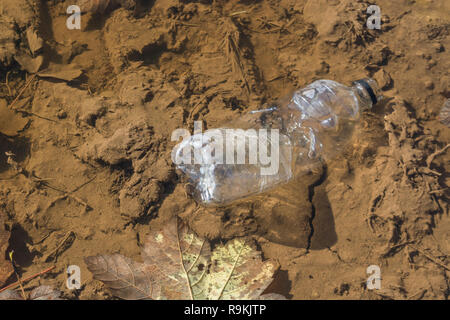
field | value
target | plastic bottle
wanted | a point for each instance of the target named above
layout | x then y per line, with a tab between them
314	122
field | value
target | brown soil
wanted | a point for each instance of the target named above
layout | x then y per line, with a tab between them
92	170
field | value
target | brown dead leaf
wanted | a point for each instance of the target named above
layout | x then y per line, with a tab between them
11	123
65	73
179	265
28	63
125	278
35	43
39	293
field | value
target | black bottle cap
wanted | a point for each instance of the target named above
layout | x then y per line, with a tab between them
369	90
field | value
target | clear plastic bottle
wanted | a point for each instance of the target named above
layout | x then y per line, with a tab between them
314	122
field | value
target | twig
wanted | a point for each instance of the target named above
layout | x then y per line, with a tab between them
426	255
28	278
238	13
22	91
194	109
435	154
19	281
231	43
437	191
277	77
392	248
69	194
187	24
68	240
7	83
34	114
384	296
420	294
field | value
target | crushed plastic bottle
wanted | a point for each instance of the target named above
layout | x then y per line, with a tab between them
269	147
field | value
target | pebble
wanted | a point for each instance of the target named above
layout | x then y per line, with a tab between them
61	114
429	84
431	63
438	47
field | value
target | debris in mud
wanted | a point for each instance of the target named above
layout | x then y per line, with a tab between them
395	214
179	265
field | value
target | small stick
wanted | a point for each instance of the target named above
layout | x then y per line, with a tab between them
435	154
19	281
419	294
69	194
34	114
28	278
22	91
194	109
437	191
7	83
187	24
431	258
238	13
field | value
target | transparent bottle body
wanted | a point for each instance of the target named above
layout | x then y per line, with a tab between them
314	122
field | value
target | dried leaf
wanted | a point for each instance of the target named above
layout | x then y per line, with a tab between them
10	295
11	123
30	64
125	278
39	293
6	268
45	293
179	265
181	259
237	272
35	43
66	73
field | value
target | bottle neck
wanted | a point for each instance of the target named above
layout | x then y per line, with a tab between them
367	92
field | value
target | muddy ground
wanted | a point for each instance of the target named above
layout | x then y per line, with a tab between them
85	165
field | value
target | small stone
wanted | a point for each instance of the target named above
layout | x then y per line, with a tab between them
420	54
61	114
315	295
438	47
429	84
431	63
